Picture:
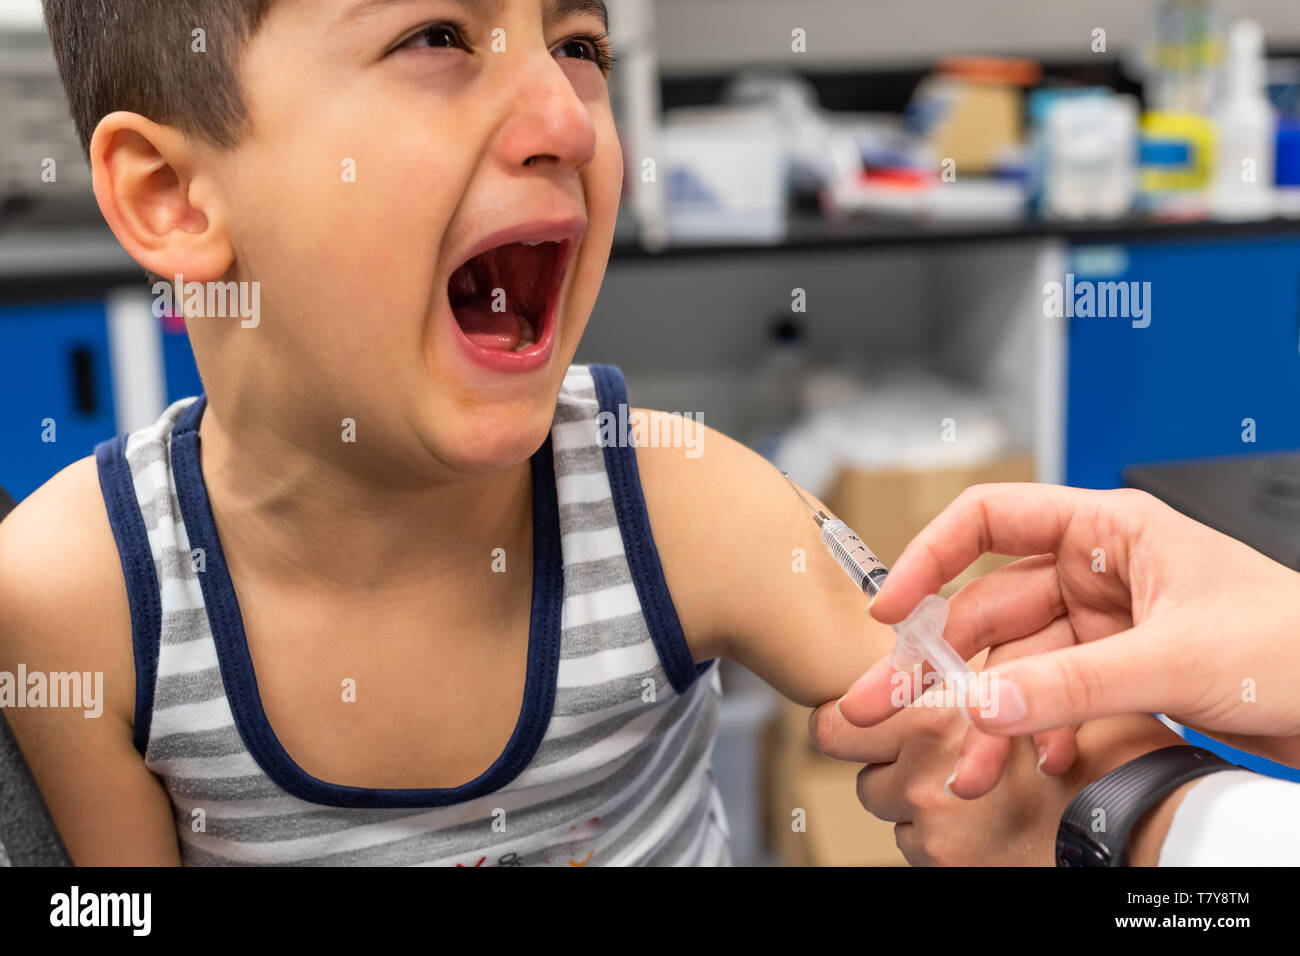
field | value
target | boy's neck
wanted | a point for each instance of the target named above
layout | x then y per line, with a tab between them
303	518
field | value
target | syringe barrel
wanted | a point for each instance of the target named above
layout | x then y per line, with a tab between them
867	571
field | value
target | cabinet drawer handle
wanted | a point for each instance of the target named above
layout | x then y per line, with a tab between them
82	369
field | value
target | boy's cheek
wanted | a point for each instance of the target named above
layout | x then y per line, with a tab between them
607	171
603	185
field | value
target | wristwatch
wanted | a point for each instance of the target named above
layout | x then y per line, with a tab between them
1095	826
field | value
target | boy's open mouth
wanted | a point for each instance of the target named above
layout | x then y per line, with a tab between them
501	298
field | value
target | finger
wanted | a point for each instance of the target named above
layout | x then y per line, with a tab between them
983	759
888	790
979	764
1004	605
880	791
1057	750
1007	604
837	738
908	840
1017	519
1115	675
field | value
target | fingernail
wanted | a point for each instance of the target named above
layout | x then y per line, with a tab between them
947	784
1042	759
840	712
1008	703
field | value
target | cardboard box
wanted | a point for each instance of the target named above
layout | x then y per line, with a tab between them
980	125
820	794
889	507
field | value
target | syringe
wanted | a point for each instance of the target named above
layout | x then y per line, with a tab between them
920	634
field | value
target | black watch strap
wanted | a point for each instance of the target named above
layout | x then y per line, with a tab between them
1095	826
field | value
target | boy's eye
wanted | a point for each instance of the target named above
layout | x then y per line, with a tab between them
577	50
587	48
436	36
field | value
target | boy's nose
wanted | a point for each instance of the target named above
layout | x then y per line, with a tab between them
548	122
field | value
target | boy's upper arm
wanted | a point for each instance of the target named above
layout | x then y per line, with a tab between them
63	609
748	574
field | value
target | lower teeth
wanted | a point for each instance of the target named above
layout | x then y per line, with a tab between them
526	335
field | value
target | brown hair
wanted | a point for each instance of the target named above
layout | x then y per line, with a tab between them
139	56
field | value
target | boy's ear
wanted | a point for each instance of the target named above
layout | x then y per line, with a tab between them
144	181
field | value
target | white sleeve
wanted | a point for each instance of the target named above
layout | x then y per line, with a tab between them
1235	818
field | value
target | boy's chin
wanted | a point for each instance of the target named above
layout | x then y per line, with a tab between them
487	443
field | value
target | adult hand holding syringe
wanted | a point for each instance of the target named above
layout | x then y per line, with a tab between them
1122	606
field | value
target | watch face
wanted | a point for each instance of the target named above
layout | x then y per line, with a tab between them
1074	847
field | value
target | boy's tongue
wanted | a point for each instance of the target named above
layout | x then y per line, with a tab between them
488	329
508	276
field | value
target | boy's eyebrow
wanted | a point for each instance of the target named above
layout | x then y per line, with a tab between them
368	7
559	9
556	9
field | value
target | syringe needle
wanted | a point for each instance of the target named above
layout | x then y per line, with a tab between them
801	497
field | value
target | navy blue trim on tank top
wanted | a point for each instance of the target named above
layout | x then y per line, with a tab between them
142	593
638	543
241	683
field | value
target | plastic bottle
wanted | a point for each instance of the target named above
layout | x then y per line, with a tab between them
1090	156
1246	130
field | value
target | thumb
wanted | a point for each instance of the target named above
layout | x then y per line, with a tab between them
1120	674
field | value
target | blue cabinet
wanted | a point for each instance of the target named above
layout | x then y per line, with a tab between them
182	375
1223	346
54	365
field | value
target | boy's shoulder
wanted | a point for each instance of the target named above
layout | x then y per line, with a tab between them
63	603
709	500
747	572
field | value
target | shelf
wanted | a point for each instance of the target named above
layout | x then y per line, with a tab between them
40	262
812	233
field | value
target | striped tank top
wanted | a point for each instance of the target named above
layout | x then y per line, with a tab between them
608	764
